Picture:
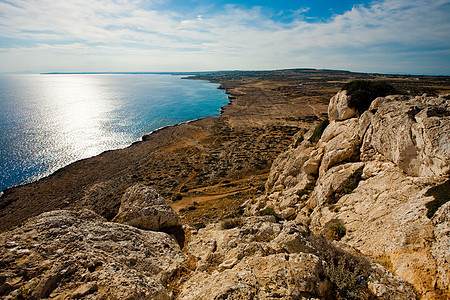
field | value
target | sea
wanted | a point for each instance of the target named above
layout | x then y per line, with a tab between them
48	121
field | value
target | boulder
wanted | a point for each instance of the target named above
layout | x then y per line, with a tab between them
78	254
339	109
143	208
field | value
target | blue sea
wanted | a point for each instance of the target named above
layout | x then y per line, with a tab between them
50	121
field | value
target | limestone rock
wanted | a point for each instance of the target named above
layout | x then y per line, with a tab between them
263	259
339	109
385	218
413	133
288	168
441	246
341	142
286	276
67	254
384	213
331	186
143	208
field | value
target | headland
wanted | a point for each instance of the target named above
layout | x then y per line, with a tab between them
207	164
310	185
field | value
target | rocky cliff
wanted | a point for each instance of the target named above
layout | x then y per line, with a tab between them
365	182
346	215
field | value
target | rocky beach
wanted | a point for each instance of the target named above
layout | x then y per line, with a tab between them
294	192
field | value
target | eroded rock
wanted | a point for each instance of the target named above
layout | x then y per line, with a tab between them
70	254
264	259
412	133
401	144
339	109
142	207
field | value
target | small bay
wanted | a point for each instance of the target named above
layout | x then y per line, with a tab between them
50	121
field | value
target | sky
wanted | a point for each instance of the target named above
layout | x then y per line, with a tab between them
382	36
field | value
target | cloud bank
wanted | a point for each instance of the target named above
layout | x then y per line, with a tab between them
390	36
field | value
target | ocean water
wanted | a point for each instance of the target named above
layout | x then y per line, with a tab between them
50	121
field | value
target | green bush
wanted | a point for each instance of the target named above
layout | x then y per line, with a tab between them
441	194
315	137
352	182
363	92
177	197
335	230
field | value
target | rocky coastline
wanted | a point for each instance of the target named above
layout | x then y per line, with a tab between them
294	193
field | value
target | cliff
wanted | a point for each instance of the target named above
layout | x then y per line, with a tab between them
346	214
365	182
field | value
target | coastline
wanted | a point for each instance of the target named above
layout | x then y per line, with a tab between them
252	192
216	162
237	145
36	177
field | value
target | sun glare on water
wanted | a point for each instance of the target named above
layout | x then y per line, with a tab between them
81	112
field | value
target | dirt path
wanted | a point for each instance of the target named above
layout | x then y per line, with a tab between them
187	201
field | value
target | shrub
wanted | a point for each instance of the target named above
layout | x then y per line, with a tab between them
352	182
347	272
191	207
231	223
441	196
363	92
335	230
315	137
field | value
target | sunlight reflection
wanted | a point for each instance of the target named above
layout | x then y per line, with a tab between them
79	108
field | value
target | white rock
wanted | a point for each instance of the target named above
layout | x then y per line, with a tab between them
339	109
143	208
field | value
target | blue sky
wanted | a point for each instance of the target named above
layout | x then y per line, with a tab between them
386	36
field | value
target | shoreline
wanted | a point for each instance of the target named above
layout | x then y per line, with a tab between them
223	159
140	139
241	142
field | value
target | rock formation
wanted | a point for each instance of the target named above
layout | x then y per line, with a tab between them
261	258
345	216
67	255
371	174
339	108
143	208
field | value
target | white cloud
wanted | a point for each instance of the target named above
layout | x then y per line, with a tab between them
387	36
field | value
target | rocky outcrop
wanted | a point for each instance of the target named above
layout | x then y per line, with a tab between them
412	133
66	255
385	218
370	176
142	207
261	258
439	250
339	108
340	143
